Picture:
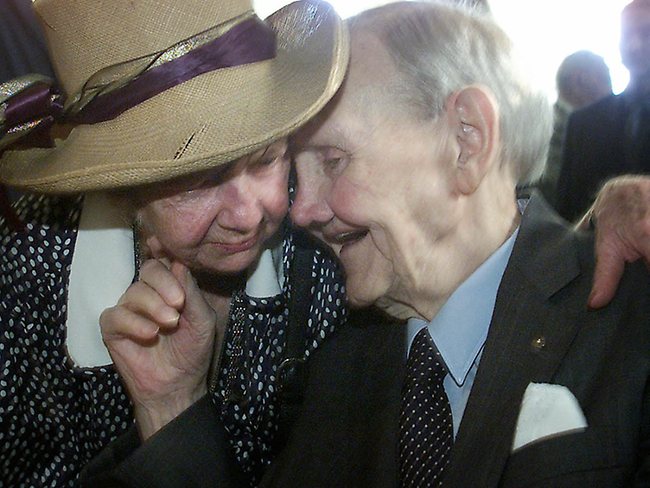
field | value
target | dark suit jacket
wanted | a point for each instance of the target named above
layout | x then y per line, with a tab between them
594	151
346	434
22	45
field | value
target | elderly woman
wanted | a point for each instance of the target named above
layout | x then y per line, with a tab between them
410	175
179	112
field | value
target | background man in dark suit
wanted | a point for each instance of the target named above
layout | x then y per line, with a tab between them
23	51
581	79
21	41
416	194
612	136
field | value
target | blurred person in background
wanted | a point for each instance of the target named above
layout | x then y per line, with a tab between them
612	136
582	79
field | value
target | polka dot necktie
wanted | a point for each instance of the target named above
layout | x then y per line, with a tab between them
426	429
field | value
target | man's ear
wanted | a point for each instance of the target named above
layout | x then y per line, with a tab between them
473	114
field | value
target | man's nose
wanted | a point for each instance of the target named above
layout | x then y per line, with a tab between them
310	205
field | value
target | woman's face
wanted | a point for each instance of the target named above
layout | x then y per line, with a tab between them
218	221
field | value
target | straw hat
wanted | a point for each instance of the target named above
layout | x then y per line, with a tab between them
206	121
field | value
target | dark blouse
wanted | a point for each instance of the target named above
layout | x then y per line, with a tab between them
55	416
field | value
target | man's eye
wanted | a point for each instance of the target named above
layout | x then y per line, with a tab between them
335	165
332	162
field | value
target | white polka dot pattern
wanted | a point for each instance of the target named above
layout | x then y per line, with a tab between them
249	404
426	429
53	417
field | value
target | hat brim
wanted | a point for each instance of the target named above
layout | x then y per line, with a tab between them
205	122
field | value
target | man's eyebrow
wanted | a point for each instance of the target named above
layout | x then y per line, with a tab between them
335	138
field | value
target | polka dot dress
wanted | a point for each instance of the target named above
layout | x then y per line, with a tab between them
426	429
247	392
54	417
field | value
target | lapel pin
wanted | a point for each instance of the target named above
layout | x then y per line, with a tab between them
538	343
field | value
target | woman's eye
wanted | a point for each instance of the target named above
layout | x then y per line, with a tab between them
198	185
272	160
209	179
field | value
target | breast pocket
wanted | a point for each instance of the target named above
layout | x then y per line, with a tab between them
591	458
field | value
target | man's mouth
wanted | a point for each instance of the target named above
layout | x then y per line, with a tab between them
347	238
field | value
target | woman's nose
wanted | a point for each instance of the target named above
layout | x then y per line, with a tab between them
242	209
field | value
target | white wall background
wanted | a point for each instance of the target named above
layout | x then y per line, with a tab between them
546	31
552	29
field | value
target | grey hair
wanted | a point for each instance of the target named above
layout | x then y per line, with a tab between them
439	49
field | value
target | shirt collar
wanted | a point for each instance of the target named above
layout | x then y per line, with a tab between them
563	106
460	328
266	279
96	284
102	268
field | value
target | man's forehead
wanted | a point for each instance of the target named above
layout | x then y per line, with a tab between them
370	60
365	92
320	133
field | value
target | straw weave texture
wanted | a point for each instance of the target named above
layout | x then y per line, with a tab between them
224	114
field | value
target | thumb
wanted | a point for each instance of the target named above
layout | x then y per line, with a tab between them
196	310
608	272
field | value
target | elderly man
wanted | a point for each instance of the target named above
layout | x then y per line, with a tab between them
410	177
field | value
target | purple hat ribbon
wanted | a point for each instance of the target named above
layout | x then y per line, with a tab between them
30	105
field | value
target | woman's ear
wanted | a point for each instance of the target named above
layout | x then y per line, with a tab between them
150	245
152	248
473	114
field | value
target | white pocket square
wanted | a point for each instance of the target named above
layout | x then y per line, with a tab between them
546	411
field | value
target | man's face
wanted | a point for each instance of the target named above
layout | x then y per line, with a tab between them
369	173
635	40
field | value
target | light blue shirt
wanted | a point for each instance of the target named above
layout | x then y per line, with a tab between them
460	328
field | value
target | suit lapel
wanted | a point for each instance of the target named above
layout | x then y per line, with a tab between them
527	340
376	450
346	432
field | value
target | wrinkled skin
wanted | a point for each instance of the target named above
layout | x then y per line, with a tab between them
200	234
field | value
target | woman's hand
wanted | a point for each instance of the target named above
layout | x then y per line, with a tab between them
161	338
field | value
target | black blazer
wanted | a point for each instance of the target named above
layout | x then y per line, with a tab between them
346	435
594	151
603	357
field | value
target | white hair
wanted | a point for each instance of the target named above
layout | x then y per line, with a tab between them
439	49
